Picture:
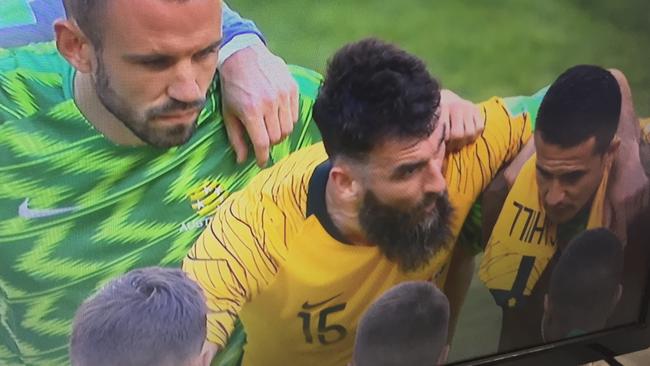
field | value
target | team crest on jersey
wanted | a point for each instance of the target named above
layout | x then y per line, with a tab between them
205	199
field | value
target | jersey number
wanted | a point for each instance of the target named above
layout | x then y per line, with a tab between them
327	334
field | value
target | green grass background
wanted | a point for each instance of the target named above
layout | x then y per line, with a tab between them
478	48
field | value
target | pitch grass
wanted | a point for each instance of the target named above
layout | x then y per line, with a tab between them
478	48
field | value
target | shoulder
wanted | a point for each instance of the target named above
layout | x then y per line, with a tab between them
308	81
285	184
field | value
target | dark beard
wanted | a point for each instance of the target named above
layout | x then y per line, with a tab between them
141	126
408	238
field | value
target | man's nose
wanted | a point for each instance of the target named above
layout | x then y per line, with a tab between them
435	182
184	86
555	194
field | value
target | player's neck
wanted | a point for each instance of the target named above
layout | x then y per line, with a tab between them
344	215
105	122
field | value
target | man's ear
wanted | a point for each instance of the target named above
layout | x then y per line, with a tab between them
345	182
612	149
617	298
74	45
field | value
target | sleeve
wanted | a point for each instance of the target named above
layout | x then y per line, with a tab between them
237	255
528	104
471	169
234	25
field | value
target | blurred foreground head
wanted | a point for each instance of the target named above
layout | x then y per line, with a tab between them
406	326
585	285
150	316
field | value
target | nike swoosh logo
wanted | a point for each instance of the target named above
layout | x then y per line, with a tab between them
308	306
27	213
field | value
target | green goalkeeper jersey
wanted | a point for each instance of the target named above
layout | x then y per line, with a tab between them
77	210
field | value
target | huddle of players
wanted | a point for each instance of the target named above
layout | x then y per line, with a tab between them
156	315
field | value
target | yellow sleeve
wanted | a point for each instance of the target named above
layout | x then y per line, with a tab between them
470	170
240	252
236	257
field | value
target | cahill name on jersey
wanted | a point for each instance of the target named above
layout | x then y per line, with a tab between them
272	256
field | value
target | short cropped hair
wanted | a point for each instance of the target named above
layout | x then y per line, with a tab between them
90	16
149	316
372	91
584	102
586	278
407	325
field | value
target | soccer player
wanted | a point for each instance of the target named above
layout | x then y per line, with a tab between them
586	173
118	142
406	326
149	316
300	252
114	151
585	286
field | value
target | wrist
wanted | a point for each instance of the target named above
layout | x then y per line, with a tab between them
236	44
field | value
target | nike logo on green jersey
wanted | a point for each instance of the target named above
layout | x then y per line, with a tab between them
28	213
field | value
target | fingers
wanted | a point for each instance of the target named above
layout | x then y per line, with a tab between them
271	113
294	103
257	132
263	97
479	121
443	119
235	132
285	113
457	124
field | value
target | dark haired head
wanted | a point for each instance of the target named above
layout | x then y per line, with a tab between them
585	284
584	102
407	325
373	90
150	316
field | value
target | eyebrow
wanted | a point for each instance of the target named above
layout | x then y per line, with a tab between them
544	171
408	166
144	58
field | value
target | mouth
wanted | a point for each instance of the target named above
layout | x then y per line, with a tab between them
182	116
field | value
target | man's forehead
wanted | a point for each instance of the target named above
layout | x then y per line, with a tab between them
393	151
576	157
155	21
583	151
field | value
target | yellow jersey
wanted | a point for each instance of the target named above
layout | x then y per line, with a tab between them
272	256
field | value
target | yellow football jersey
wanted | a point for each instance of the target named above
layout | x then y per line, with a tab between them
273	257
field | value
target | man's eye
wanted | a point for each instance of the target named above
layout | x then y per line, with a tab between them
156	64
543	174
407	171
206	53
572	177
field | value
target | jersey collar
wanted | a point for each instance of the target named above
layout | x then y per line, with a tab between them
316	204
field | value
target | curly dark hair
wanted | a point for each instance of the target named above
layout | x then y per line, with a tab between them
584	101
373	90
